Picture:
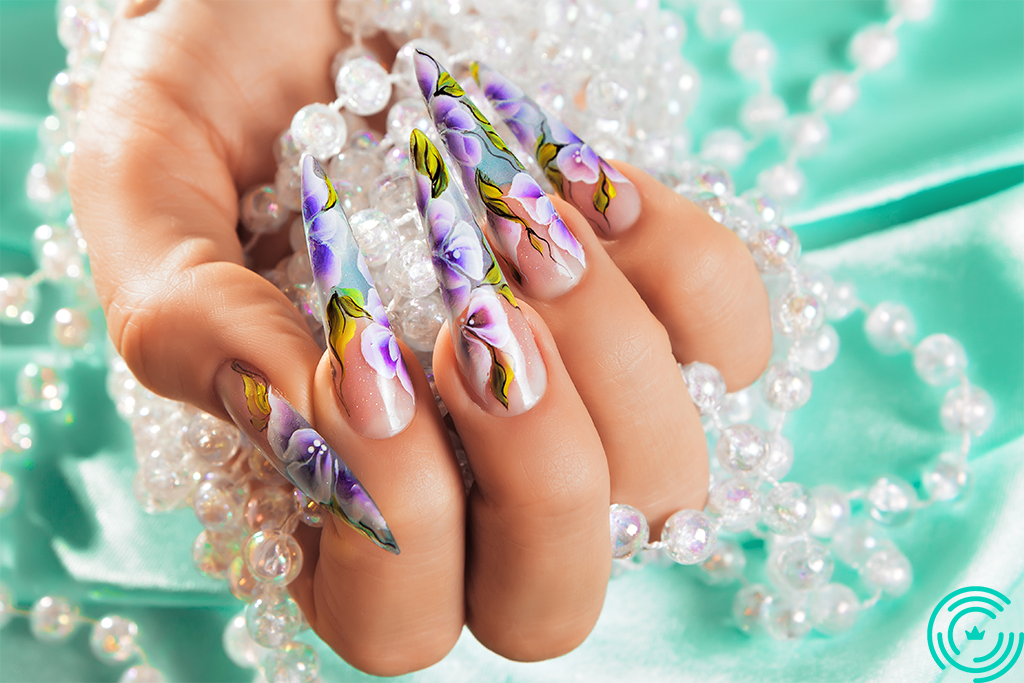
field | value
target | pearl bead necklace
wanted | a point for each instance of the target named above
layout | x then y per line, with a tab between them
189	458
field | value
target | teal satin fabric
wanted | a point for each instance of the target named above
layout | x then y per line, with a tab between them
918	200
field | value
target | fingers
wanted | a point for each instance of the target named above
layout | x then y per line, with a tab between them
538	561
695	275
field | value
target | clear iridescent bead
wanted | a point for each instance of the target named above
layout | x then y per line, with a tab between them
6	606
939	359
363	85
748	604
798	313
241	582
719	19
890	327
706	386
783	182
270	507
831	510
786	386
892	500
211	440
141	673
737	503
629	531
405	116
410	271
873	47
834	92
113	639
780	456
834	609
842	301
294	663
789	509
804	565
218	503
319	130
212	553
15	432
239	645
817	351
741	449
888	569
376	236
725	564
854	543
752	55
967	409
806	135
419	321
261	212
8	493
775	248
948	479
273	557
689	536
786	617
71	328
273	619
41	387
763	113
53	618
19	300
311	512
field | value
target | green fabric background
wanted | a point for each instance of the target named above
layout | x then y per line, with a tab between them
918	199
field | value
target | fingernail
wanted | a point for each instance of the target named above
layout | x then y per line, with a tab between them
494	344
603	195
370	376
543	256
298	451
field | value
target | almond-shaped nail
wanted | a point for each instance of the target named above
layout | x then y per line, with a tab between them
542	255
494	344
603	195
370	376
298	451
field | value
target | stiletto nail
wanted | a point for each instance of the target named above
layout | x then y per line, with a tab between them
370	376
494	344
603	195
298	452
542	254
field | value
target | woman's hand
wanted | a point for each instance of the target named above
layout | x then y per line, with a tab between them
190	98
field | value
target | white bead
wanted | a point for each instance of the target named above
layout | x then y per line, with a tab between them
789	509
718	19
741	449
273	557
141	673
780	456
404	117
948	479
775	248
890	327
212	552
218	503
363	85
376	236
737	503
239	645
53	618
6	606
211	440
782	182
831	510
890	570
738	406
689	536
786	617
706	386
629	531
113	639
752	54
763	113
273	619
892	500
748	604
319	130
18	300
912	10
260	211
817	351
939	359
725	146
967	409
294	663
803	565
873	47
786	386
842	301
725	564
834	609
854	543
834	92
806	135
798	313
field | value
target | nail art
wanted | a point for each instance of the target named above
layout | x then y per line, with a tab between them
494	344
603	195
298	452
540	252
370	376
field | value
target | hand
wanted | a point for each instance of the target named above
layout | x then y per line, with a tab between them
189	100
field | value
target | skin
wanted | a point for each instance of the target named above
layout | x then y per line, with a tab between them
189	100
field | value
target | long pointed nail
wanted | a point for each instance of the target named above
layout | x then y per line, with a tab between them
603	195
494	344
298	451
370	376
542	254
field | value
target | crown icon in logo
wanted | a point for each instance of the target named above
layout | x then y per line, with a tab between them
974	634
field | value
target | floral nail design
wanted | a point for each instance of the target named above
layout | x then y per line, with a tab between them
603	195
370	376
540	252
298	451
493	342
